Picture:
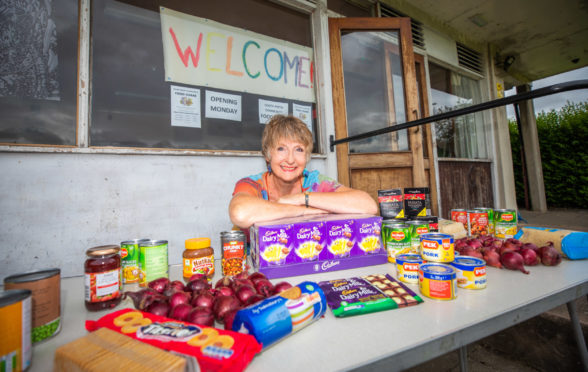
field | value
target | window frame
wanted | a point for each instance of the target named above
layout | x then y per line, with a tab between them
318	20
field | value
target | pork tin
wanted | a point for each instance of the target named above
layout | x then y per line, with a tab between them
129	256
438	281
45	286
505	223
417	228
15	329
471	272
396	238
407	267
278	316
477	222
437	247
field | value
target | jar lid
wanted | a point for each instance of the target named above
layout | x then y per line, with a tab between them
197	243
103	250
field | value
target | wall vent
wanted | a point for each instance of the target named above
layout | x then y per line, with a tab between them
469	58
416	27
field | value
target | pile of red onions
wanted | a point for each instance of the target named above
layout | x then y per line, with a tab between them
199	302
510	253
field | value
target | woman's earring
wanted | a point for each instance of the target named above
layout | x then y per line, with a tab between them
269	168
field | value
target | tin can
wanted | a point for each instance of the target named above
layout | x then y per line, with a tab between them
46	306
433	222
15	329
460	215
471	272
490	212
437	281
437	247
477	223
276	317
391	203
396	238
234	254
153	261
417	228
407	267
505	221
129	255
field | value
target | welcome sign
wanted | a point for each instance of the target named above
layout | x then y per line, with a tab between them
198	51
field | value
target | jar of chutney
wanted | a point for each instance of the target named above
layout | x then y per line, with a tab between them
103	277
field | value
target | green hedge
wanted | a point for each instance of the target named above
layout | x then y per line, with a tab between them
563	141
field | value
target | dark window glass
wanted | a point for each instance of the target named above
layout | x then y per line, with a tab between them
131	100
38	72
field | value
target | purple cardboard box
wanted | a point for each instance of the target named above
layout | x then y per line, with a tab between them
301	246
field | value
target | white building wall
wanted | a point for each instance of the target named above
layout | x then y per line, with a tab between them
55	206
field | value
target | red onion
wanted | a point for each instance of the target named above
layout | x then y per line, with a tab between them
513	261
281	287
549	255
530	245
241	275
229	318
241	282
201	315
203	299
497	243
180	311
179	298
471	252
225	281
178	284
159	308
264	287
460	243
223	305
144	297
492	258
197	285
475	243
244	292
159	284
507	247
254	299
530	257
256	276
196	276
225	291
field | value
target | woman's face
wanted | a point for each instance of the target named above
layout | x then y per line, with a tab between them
287	160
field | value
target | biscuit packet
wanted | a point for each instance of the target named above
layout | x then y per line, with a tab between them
367	294
213	348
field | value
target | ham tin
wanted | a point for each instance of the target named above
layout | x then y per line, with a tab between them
438	281
471	272
407	266
436	247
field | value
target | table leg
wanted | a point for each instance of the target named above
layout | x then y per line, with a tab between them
463	358
577	328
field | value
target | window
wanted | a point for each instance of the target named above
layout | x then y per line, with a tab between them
38	72
463	136
131	103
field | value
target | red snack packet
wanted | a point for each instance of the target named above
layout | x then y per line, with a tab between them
215	349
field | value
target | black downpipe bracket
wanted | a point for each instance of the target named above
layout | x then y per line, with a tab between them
545	91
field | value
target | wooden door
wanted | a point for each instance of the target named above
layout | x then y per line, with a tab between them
375	86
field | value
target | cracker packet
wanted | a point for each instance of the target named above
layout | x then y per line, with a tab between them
367	294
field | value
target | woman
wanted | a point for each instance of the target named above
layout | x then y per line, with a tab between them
287	189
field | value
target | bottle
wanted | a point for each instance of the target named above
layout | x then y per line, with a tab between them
198	258
103	277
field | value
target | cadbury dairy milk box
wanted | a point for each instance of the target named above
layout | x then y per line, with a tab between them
309	245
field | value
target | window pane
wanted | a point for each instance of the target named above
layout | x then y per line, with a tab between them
130	97
38	72
463	136
374	90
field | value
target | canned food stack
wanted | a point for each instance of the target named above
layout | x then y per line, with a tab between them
500	223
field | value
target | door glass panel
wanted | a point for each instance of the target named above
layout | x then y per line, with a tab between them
374	89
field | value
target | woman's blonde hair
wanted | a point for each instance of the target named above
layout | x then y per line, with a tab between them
285	127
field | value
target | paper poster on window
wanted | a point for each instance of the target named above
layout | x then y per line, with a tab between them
267	109
202	52
185	107
304	113
223	106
